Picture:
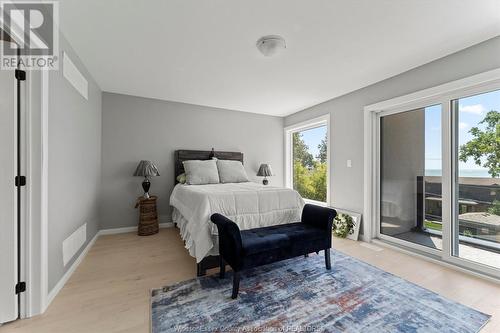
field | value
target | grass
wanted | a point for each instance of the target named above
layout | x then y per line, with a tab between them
433	225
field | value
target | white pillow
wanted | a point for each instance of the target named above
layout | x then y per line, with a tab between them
201	172
231	171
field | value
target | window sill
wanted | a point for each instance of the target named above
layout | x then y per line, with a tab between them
314	202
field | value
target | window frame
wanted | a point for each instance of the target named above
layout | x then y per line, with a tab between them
320	121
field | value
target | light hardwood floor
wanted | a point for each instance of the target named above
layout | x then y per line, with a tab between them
109	292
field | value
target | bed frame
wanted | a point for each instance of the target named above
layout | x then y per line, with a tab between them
186	155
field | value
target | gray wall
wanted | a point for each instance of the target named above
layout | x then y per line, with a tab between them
74	164
346	134
135	128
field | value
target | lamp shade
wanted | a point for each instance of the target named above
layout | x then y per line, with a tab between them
265	170
146	169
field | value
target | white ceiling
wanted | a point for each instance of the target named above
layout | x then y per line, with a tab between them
203	52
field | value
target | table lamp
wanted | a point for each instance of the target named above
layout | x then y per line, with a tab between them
265	171
146	169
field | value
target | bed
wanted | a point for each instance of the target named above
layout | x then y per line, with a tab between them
249	204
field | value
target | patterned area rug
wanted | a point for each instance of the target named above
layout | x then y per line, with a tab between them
301	295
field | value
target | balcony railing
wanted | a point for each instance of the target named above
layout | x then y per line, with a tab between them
476	225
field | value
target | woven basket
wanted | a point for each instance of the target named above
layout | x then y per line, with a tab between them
148	216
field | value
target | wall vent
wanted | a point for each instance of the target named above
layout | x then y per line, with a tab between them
73	243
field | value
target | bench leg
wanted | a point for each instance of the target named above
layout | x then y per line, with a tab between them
327	259
236	285
222	266
200	270
306	255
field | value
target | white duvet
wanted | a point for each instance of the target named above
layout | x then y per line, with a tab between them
250	205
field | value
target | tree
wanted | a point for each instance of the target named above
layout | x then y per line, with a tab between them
318	182
301	180
322	150
310	183
301	151
309	175
484	148
495	208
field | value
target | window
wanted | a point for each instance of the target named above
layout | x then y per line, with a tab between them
476	222
432	172
307	159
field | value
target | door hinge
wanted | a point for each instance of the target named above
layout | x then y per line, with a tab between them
20	74
20	287
20	181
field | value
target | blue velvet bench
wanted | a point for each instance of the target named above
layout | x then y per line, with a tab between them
261	246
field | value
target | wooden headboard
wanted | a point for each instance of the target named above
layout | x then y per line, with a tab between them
186	155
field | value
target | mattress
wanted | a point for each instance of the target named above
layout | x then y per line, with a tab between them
249	205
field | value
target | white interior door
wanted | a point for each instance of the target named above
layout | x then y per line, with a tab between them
8	204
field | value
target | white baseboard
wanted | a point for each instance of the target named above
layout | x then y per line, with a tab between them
57	288
114	231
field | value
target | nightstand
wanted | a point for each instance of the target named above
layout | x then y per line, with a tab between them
148	216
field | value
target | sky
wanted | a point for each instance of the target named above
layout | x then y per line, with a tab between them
471	111
313	137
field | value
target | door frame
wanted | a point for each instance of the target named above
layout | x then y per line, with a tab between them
36	249
34	223
441	94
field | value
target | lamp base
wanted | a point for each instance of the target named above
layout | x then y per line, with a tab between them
265	181
146	184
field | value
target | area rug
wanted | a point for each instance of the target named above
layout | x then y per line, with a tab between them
301	295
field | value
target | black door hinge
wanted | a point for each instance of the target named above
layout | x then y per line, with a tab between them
20	181
20	287
20	75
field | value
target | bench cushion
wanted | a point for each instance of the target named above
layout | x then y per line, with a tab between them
299	231
264	239
254	241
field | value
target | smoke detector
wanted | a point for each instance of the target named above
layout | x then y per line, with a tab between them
271	45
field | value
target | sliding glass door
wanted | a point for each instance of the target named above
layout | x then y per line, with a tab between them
438	177
410	176
476	182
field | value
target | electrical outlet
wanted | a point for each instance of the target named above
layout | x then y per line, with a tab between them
349	163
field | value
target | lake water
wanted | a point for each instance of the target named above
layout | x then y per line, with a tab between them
481	173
